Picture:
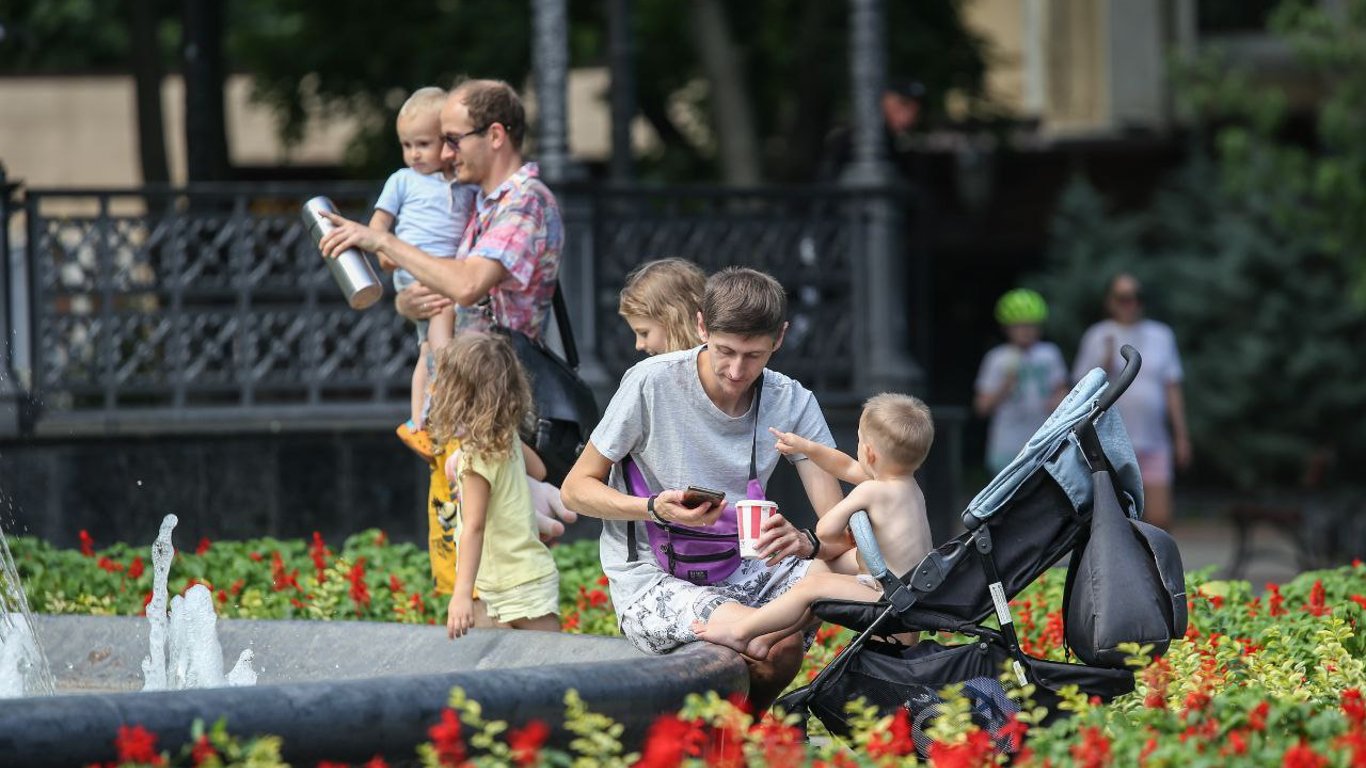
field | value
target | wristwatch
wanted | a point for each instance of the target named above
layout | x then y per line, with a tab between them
815	543
650	507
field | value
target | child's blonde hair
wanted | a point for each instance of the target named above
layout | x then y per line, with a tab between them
668	291
900	427
423	101
480	394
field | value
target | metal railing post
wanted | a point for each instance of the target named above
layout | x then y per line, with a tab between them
886	362
11	325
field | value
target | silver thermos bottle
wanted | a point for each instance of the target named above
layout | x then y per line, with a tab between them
351	269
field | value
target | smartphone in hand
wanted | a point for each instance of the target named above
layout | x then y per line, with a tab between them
696	496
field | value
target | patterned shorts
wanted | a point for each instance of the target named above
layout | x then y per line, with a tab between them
661	619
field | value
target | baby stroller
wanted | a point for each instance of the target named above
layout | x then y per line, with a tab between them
1074	488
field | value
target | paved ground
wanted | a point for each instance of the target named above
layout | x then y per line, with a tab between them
1211	541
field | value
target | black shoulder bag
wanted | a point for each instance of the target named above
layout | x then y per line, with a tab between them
566	410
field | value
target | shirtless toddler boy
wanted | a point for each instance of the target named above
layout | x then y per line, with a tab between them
895	433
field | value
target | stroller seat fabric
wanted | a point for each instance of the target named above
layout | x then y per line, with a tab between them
1026	521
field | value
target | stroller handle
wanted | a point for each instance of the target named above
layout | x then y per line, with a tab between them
1132	362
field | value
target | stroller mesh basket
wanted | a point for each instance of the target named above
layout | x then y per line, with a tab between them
1030	517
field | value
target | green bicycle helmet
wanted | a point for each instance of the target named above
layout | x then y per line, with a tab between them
1021	307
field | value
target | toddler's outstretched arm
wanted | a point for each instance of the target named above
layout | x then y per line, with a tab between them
384	221
834	462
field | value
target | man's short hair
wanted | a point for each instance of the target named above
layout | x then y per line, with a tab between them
900	427
745	302
423	101
493	101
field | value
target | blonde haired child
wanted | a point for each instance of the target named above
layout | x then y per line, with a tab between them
895	433
425	207
660	303
480	396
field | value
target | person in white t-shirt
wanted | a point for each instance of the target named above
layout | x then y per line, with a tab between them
1154	402
1020	382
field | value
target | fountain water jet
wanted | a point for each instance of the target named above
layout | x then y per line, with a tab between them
24	668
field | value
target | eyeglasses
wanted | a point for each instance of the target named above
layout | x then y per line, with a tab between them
453	140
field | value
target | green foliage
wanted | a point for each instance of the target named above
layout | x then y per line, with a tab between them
1256	256
1256	678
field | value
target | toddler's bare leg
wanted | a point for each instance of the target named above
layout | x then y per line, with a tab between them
547	623
440	329
419	393
738	628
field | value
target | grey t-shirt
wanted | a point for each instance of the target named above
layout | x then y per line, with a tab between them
662	418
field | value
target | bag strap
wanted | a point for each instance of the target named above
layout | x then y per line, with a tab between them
571	349
754	444
635	481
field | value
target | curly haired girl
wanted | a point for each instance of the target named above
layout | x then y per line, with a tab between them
660	302
480	396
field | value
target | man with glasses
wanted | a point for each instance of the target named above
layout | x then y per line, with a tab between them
510	252
505	268
1154	401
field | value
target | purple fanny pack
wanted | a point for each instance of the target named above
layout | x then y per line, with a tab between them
703	555
700	554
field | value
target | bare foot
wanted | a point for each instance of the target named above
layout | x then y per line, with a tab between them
758	648
723	634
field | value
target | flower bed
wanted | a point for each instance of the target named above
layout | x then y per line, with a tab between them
1274	679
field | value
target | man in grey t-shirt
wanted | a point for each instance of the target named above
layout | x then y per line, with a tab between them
688	418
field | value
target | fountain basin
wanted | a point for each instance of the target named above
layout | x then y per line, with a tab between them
344	690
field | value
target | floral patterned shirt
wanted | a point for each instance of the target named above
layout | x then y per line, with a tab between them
518	225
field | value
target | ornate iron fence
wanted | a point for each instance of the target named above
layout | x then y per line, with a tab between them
163	307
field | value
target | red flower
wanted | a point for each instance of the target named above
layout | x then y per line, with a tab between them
137	745
109	565
1149	747
360	592
1275	600
1094	749
256	557
136	567
1052	630
280	579
976	751
571	621
1196	701
87	543
526	742
202	750
1014	732
1256	719
1354	707
597	597
318	551
669	740
602	580
395	585
894	741
1237	745
204	545
1303	756
377	762
1317	595
725	749
783	744
445	735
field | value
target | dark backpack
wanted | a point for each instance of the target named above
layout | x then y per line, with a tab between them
566	410
1125	583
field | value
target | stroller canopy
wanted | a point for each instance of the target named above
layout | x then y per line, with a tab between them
1054	448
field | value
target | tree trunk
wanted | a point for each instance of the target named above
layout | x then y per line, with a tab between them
146	65
206	141
736	137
